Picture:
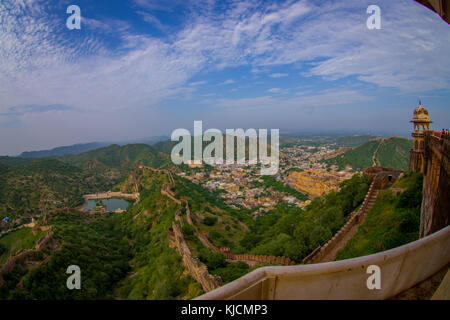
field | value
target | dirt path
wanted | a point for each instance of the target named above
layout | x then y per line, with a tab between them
374	163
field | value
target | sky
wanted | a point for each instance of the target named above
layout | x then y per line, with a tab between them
142	68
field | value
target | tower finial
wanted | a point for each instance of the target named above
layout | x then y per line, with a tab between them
420	102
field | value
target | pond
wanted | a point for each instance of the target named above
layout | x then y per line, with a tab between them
110	204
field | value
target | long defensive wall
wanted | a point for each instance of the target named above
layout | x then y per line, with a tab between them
401	268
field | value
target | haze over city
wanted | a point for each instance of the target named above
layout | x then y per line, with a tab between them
141	68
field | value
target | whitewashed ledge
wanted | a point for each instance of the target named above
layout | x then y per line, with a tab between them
401	269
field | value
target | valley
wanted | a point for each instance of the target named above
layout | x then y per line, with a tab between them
221	221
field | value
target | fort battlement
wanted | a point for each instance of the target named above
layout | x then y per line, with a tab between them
355	219
402	267
196	269
23	254
435	211
176	240
203	237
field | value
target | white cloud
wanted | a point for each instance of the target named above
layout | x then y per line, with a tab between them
325	98
40	65
274	90
229	81
278	75
149	18
197	83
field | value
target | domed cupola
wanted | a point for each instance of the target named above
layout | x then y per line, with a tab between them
421	118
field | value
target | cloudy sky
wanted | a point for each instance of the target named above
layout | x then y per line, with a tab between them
141	68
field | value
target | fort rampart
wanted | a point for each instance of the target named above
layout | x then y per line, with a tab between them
196	269
401	269
23	254
356	217
435	211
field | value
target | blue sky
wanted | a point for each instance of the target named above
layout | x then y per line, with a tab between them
141	68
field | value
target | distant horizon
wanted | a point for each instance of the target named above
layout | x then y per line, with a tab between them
142	140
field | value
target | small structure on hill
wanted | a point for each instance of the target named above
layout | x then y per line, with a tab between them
383	177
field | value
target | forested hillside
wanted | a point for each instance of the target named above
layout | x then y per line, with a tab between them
46	184
292	233
122	159
394	153
393	221
30	187
389	153
128	256
93	243
157	271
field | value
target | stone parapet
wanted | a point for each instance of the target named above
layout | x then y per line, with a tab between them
23	254
401	269
355	218
196	269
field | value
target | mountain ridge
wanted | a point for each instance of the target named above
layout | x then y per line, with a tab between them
391	152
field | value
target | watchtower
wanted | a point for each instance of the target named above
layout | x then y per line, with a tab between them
421	121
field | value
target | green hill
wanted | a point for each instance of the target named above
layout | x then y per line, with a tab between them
393	221
46	184
13	161
392	152
88	241
128	255
358	158
123	158
60	151
354	141
167	146
50	183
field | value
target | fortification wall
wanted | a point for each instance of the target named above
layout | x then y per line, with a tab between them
176	240
226	251
111	194
435	211
201	236
196	269
401	269
415	161
260	258
23	254
356	218
169	194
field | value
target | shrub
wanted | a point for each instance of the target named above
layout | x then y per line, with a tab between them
412	196
213	260
209	221
188	231
250	240
218	239
232	271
